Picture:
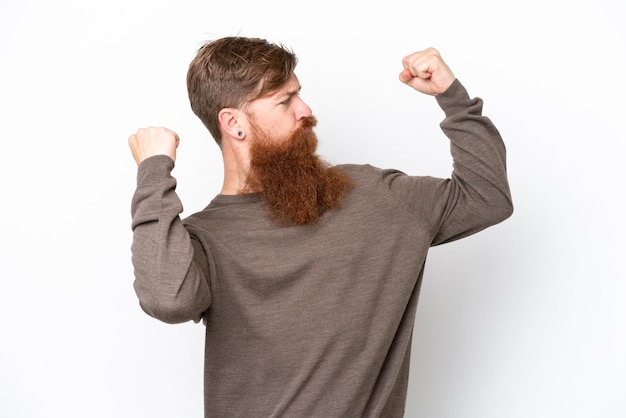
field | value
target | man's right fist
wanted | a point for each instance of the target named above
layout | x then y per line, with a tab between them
147	142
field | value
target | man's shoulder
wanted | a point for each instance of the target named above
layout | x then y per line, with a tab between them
367	172
361	169
225	207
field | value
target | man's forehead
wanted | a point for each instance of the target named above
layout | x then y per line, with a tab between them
291	86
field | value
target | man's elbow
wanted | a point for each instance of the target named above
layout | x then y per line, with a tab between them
170	310
502	209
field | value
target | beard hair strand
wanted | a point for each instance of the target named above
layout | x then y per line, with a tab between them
297	185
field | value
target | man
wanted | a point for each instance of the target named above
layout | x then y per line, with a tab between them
306	275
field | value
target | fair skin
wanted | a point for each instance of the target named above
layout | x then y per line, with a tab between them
279	114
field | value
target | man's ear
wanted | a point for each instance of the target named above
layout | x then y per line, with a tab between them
229	122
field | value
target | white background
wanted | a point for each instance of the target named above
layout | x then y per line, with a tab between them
526	319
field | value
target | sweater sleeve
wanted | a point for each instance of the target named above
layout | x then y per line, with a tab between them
171	279
477	194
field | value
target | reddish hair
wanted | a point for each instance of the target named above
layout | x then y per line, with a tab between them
231	71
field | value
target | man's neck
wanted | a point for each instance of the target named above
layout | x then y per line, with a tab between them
236	166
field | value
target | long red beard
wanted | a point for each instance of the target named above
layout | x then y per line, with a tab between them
298	186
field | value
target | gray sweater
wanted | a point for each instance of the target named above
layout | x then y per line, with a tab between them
313	321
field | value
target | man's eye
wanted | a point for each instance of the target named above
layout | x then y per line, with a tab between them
286	102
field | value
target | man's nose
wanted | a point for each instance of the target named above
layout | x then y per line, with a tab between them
304	111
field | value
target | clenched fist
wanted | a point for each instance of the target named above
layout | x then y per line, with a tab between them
426	72
147	142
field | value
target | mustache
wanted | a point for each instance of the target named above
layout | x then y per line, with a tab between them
307	122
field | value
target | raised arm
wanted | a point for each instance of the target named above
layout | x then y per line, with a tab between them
171	273
477	194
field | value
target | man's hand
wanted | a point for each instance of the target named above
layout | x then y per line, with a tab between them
147	142
426	72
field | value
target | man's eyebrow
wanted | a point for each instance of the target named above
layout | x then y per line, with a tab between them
293	92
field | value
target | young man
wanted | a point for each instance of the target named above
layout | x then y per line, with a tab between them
306	275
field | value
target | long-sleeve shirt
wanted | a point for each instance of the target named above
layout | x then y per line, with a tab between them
314	320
